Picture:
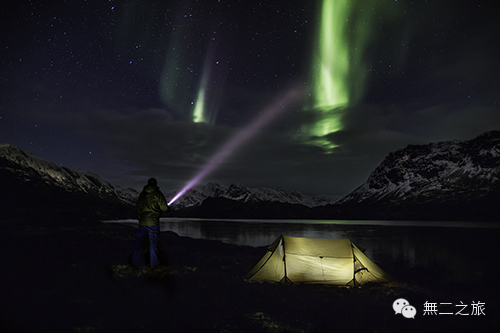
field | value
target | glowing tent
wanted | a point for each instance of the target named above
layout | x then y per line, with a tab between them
312	260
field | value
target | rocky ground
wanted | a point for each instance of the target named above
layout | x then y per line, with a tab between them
73	276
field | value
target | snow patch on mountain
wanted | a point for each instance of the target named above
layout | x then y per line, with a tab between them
440	171
27	166
238	192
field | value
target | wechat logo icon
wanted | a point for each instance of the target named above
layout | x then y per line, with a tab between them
403	307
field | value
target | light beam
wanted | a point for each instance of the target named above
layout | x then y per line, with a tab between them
240	138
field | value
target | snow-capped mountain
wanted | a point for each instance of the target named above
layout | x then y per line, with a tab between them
237	192
29	168
22	167
444	180
454	173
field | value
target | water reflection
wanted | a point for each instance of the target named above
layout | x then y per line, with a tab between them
448	252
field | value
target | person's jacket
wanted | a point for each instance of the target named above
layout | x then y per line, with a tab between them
150	204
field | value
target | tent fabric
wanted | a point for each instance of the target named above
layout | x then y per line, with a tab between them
314	260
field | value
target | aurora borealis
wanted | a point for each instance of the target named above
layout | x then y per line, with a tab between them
331	65
345	31
135	89
240	138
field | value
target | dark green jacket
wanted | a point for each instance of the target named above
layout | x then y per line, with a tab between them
150	204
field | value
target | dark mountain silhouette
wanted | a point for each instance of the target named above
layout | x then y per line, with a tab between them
454	180
33	187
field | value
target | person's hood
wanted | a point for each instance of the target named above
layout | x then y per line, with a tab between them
150	188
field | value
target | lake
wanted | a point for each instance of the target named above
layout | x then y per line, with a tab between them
448	251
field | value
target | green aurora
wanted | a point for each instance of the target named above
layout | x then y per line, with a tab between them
199	111
338	69
344	30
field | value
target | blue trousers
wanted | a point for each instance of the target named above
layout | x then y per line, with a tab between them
153	232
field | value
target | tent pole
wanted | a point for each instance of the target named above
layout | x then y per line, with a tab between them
284	256
353	266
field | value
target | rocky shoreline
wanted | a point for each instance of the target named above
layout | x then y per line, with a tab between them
73	276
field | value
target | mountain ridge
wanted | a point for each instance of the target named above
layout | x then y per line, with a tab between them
450	167
73	180
32	186
27	174
238	192
450	180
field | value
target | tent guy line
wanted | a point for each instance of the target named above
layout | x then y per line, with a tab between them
317	260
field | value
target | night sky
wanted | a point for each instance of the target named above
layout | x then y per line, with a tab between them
137	89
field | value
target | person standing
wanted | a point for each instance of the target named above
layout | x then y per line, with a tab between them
150	205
